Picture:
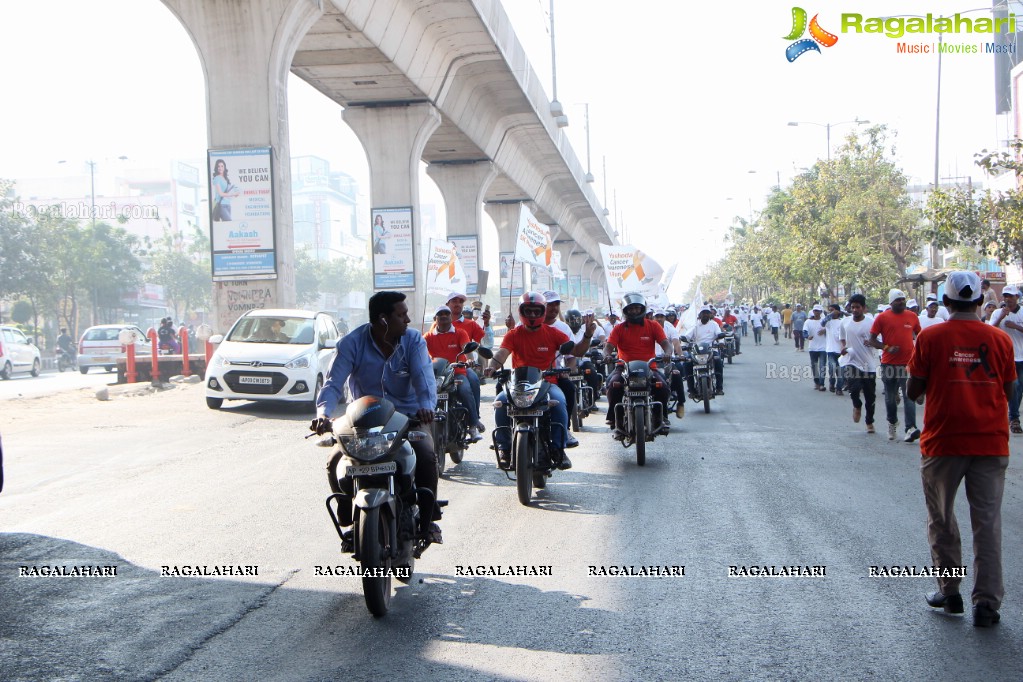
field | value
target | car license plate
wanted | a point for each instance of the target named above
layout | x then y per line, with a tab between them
102	358
372	469
526	413
255	380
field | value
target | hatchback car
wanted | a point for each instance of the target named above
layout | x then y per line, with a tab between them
18	353
272	355
100	346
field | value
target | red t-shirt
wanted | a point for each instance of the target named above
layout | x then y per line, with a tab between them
447	345
635	342
471	329
897	330
966	363
533	349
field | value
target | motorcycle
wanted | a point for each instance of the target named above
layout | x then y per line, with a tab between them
372	481
66	360
728	349
702	357
531	460
639	418
451	429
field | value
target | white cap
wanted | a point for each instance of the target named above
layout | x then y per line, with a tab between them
442	309
818	307
706	309
911	303
932	301
895	294
963	285
932	297
1010	291
552	296
455	294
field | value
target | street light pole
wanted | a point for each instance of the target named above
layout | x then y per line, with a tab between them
827	127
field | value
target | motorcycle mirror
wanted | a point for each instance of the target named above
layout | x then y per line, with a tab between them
470	347
594	342
720	336
683	338
566	348
485	353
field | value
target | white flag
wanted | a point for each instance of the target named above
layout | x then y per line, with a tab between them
533	244
444	272
627	269
687	321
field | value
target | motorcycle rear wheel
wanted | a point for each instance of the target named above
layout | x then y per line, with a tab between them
639	425
706	389
523	468
729	359
577	422
373	540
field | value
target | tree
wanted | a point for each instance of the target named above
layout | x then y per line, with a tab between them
182	267
991	221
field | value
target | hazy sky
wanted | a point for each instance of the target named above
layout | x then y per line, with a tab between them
685	99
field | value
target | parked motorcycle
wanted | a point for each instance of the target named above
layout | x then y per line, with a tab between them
728	347
639	418
372	480
531	453
451	430
66	360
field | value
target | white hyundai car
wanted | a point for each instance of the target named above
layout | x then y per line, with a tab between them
272	355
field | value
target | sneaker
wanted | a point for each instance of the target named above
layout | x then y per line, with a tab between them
719	391
434	536
893	430
856	415
503	459
347	542
839	391
1015	427
912	433
562	461
571	442
475	437
665	426
481	427
680	410
870	428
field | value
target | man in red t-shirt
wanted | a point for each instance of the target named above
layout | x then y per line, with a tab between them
456	302
968	372
635	338
898	328
535	344
445	341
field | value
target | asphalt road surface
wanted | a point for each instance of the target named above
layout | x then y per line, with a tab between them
776	475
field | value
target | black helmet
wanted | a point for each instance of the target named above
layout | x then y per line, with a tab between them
633	300
574	318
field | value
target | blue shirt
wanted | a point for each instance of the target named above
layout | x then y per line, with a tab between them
406	378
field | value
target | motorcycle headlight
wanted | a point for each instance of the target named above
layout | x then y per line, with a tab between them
701	358
526	397
368	447
298	363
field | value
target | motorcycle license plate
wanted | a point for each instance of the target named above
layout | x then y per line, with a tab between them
371	469
255	380
526	413
637	394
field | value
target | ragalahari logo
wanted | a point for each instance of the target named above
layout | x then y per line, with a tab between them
817	35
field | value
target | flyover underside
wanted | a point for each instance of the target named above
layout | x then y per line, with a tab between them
358	54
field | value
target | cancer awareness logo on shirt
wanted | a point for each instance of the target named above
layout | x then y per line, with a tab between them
817	35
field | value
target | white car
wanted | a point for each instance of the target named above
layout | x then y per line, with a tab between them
101	346
272	355
17	353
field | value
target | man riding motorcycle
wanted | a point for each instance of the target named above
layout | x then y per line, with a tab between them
671	332
387	359
446	341
706	330
634	339
66	343
456	302
535	344
574	320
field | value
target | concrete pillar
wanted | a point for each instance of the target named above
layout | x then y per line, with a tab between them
394	138
246	49
463	186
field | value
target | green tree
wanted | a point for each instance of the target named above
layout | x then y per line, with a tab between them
307	279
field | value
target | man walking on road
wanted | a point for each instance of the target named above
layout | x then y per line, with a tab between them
966	368
1010	320
836	378
774	320
859	361
798	318
786	320
817	345
898	327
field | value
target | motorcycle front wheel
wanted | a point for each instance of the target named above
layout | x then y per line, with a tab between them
373	540
639	424
62	364
523	468
706	389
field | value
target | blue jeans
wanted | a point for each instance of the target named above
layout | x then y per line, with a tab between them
835	379
557	414
465	398
893	378
1017	395
818	363
474	384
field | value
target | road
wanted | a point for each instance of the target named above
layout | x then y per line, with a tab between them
24	385
777	474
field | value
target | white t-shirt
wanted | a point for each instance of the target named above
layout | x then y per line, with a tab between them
856	334
672	334
705	333
814	341
1015	335
832	336
757	320
576	337
926	321
774	318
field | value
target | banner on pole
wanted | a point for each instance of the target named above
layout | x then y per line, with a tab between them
533	243
627	269
444	271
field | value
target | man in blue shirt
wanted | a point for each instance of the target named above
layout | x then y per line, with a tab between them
387	359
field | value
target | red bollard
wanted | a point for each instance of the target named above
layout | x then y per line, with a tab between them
183	335
130	374
156	354
209	352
